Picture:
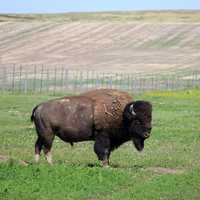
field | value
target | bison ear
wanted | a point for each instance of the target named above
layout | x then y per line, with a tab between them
129	113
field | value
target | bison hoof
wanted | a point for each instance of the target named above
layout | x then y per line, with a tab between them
105	163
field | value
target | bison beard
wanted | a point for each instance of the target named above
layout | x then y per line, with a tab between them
139	143
106	116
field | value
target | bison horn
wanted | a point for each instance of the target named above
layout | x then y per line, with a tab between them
132	110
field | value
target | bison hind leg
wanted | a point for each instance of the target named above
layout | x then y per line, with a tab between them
38	148
47	145
44	143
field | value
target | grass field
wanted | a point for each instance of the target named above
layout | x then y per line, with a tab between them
168	168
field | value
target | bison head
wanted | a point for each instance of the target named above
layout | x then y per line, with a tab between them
137	118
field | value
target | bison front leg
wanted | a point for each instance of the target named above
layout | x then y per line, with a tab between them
102	149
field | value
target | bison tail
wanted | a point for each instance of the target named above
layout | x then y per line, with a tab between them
33	113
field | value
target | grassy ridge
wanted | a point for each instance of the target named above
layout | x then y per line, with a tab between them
138	16
174	146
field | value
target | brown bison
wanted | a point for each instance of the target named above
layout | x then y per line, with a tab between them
109	117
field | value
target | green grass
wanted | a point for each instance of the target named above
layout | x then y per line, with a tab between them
76	174
59	181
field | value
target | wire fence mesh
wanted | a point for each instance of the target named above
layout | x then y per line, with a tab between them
41	78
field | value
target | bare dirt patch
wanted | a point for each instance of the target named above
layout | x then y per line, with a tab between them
163	170
4	158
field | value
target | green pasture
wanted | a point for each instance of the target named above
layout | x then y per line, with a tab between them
168	168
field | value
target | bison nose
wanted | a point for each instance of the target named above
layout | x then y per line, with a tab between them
146	135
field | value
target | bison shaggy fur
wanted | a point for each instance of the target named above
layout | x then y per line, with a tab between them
107	116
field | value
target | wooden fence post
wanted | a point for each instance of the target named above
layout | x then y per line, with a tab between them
41	78
34	79
20	78
5	77
66	79
48	84
13	78
62	80
26	81
55	80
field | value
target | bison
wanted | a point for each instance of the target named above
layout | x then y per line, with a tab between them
107	116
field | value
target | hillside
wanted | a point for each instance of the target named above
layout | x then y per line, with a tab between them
128	42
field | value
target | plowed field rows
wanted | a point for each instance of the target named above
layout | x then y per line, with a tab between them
102	45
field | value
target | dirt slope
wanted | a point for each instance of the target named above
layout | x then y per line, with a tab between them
104	45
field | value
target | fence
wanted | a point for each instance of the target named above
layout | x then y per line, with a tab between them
60	79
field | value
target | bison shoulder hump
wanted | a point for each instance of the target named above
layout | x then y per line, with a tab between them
108	107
